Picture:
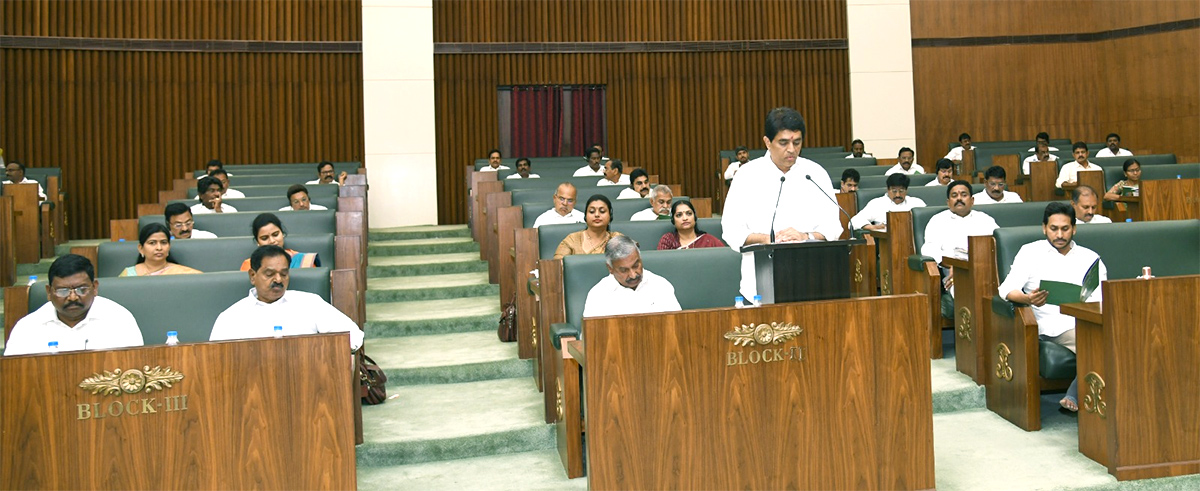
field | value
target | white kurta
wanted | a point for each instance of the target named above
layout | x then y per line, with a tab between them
864	156
653	294
1037	261
946	233
1097	218
200	209
311	207
1121	152
298	312
644	216
982	198
518	176
551	217
107	325
621	181
1070	173
913	169
803	206
955	153
586	171
488	168
629	193
875	213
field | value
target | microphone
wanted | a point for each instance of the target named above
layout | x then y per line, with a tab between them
776	212
849	223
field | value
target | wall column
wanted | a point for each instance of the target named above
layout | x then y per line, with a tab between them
398	111
881	77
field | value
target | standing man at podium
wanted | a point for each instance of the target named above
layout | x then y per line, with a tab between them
779	197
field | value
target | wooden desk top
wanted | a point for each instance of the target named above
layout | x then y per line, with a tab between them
575	349
1128	199
955	262
878	234
1089	312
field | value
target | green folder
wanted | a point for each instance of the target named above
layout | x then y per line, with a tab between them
1062	292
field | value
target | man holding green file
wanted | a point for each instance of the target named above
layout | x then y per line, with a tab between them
1050	272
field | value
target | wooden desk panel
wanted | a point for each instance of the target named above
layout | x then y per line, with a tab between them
25	221
1170	199
673	404
228	424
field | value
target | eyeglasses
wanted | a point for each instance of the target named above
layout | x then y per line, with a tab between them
183	225
81	291
564	200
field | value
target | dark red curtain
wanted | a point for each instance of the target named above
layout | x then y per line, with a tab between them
587	118
536	121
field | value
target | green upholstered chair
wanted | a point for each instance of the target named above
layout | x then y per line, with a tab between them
238	224
308	169
267	203
648	233
543	195
931	195
623	209
188	304
547	185
40	174
209	255
880	181
549	236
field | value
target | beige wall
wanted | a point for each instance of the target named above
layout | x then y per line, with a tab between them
398	111
881	77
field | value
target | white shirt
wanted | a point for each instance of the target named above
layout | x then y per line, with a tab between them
865	155
1097	218
298	312
488	168
586	171
1033	158
644	216
935	182
946	233
41	192
629	193
1050	149
317	182
654	294
875	213
803	206
956	153
1121	152
621	181
1070	172
311	206
200	209
107	325
733	168
229	193
518	176
200	234
914	169
1037	261
982	198
551	217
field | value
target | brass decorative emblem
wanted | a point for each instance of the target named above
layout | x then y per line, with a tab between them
886	283
558	399
131	381
1003	369
858	274
1094	401
964	323
751	335
533	332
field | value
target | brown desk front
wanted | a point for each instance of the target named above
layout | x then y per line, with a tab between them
256	414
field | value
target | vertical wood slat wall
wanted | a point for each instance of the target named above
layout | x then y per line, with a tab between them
669	113
122	124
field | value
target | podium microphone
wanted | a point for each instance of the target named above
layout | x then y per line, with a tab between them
776	212
835	203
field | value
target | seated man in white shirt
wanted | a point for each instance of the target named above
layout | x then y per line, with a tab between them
564	208
75	316
964	143
1041	153
858	150
226	191
741	154
1042	137
849	182
1086	203
639	185
297	196
212	165
945	173
629	288
271	304
905	163
209	193
523	170
613	174
660	205
994	188
874	215
180	222
1056	259
946	234
593	167
493	162
15	172
325	175
1069	173
1113	147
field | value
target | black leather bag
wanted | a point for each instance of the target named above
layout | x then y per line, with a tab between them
373	380
507	330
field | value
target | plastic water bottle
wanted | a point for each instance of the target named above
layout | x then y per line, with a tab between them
1128	220
32	280
53	346
758	300
278	332
739	302
172	338
1179	176
120	240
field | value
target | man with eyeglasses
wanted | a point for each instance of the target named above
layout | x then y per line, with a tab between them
994	188
75	317
298	200
564	208
179	221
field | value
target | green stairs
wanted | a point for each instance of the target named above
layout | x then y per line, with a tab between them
467	415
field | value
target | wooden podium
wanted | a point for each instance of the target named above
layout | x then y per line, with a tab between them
802	271
255	414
